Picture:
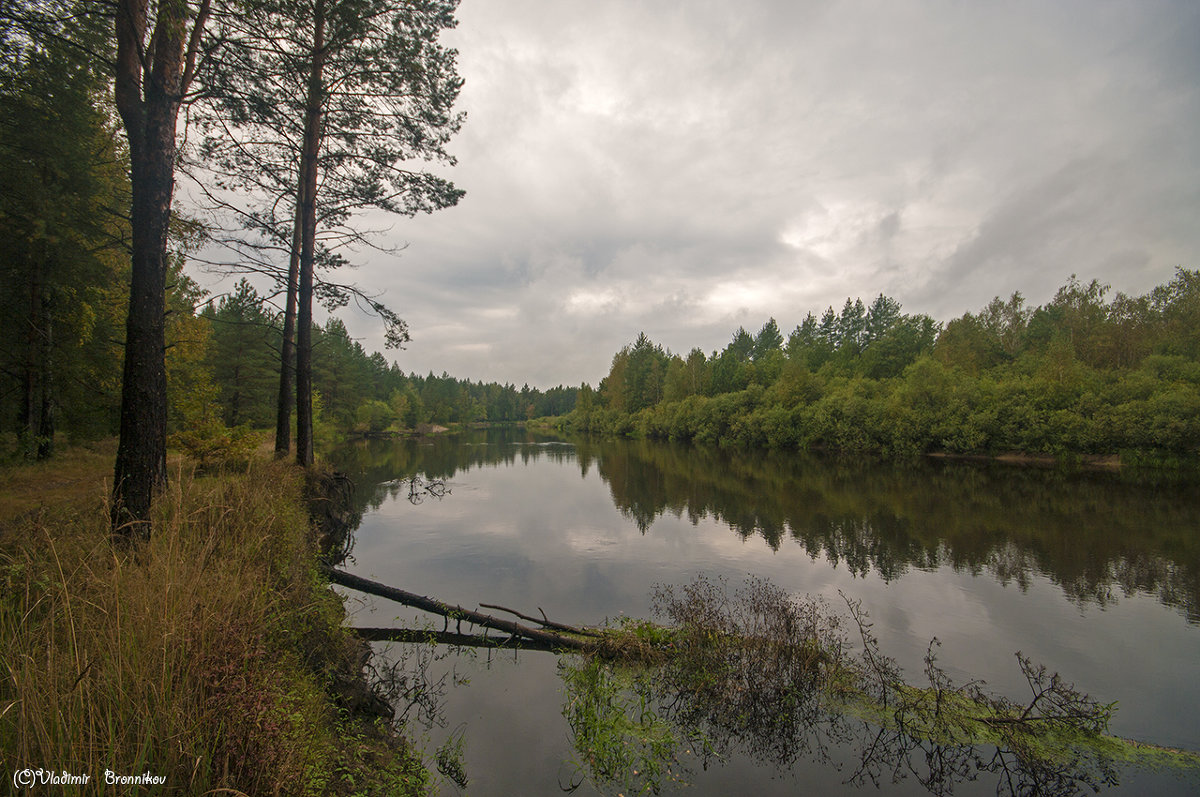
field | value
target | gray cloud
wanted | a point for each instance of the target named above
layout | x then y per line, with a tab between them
683	168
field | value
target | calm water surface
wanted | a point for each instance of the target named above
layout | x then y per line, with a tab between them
1095	575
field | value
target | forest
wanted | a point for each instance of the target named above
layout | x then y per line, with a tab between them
75	282
358	392
205	653
1085	374
222	378
1082	375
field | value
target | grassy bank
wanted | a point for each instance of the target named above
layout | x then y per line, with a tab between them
209	657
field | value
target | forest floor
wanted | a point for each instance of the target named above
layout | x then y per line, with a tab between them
78	476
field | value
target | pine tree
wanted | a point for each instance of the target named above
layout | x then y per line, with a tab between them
370	89
61	193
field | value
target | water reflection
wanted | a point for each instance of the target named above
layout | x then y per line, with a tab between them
1096	535
770	677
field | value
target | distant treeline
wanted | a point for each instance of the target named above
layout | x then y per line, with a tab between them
1080	375
223	372
357	390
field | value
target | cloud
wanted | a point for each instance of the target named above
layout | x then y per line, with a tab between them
683	169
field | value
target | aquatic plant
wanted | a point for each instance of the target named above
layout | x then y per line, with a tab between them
779	677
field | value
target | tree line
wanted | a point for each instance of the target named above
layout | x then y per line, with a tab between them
307	111
1083	374
357	391
222	380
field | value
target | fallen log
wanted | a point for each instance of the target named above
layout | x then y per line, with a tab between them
429	636
554	641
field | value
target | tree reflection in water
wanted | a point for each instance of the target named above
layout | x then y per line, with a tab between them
1136	528
1096	535
779	679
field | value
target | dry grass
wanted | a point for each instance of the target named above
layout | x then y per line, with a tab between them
201	656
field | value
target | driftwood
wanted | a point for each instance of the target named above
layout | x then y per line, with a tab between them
424	636
551	640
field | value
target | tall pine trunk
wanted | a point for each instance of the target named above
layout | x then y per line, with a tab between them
308	233
141	467
37	420
287	351
45	444
150	82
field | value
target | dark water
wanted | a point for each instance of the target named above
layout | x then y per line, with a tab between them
1095	575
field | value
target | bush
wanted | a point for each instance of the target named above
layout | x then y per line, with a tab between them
213	443
374	416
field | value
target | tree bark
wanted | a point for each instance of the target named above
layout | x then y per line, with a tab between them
34	369
45	444
287	351
37	389
149	85
141	467
308	233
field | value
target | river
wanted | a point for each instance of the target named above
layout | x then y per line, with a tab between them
1096	575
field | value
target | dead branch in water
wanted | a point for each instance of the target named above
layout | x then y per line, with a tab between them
553	641
430	636
544	622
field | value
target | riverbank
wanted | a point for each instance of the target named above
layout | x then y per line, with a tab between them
749	420
212	657
432	429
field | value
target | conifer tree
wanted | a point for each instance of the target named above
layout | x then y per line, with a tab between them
62	187
158	51
370	90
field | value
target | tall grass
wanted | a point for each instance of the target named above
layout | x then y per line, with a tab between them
201	656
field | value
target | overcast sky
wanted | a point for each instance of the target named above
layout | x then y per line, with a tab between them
684	167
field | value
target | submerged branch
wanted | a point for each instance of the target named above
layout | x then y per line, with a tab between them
458	613
432	637
780	675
